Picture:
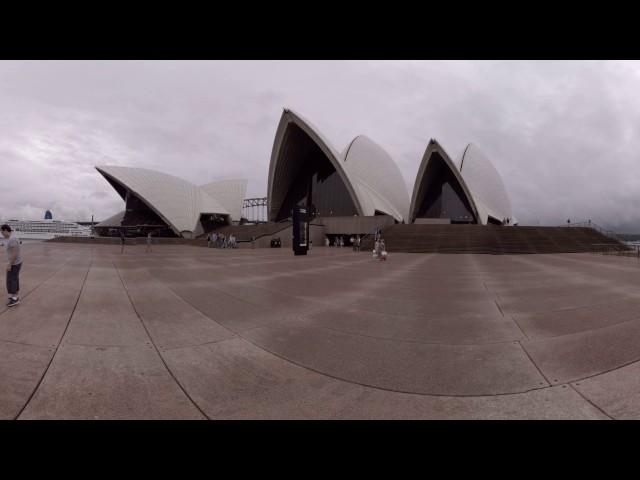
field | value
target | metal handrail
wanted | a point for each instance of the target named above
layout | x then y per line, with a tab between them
617	249
362	237
596	227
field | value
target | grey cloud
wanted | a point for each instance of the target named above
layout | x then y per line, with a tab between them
562	134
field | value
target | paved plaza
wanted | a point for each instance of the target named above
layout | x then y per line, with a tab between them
193	333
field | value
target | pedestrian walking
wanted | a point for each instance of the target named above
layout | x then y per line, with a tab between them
122	240
383	250
14	264
148	249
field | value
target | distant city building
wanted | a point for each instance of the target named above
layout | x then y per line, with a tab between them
48	215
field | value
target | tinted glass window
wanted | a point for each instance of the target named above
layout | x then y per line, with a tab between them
315	183
444	197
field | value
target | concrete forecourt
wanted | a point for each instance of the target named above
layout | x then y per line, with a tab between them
186	332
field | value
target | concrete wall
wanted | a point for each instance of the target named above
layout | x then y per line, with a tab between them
432	221
316	235
92	240
130	241
354	225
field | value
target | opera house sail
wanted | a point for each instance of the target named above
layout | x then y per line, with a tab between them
470	192
354	191
305	169
170	206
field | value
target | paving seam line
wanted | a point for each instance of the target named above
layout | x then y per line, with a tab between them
157	349
590	402
44	373
393	339
170	349
581	379
535	364
2	340
6	309
496	297
376	387
324	374
599	283
347	302
541	339
259	278
513	318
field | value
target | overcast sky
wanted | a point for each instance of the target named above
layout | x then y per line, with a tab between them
564	135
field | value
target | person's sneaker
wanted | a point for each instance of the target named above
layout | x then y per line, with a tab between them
13	302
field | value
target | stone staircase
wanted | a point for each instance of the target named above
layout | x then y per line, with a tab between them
492	239
199	242
243	233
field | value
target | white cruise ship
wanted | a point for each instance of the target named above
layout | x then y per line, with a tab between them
46	229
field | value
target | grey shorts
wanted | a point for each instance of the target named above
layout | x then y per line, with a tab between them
13	279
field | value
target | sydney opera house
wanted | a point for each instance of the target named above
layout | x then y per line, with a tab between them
349	192
168	206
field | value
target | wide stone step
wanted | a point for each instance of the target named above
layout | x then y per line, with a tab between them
490	239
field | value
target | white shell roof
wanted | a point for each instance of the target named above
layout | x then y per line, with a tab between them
112	221
176	201
485	184
479	179
376	178
418	191
289	117
229	193
369	173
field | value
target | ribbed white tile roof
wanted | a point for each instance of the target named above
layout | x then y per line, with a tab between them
419	191
377	178
229	193
369	173
176	201
479	179
485	183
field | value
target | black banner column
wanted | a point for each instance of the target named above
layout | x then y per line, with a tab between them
300	216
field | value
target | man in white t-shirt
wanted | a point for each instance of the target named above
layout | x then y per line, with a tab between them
14	264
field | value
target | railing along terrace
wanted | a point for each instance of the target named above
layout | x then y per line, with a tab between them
595	226
617	249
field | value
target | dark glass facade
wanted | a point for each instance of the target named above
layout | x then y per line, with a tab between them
307	178
140	219
210	222
443	194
